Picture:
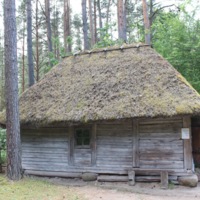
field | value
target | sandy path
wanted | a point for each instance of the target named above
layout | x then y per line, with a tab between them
138	193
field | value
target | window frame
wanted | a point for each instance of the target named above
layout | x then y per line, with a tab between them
82	128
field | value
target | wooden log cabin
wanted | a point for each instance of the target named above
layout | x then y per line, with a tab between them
118	112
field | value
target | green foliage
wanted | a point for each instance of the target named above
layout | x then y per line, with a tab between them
3	139
3	145
105	38
176	37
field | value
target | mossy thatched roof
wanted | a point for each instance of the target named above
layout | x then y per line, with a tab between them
109	84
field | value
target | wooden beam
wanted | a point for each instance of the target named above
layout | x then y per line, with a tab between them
135	143
71	146
164	179
93	145
187	145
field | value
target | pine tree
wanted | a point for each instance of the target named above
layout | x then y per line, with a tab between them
11	75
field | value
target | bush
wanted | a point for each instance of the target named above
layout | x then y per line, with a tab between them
3	139
3	145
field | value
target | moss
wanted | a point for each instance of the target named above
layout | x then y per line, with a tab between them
135	82
183	80
183	108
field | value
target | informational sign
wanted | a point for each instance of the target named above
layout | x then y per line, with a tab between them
185	133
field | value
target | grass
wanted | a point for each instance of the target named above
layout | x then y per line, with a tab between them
34	189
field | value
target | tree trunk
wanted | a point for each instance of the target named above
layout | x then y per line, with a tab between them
29	43
92	42
121	20
108	11
95	21
37	65
146	23
23	58
85	27
48	25
12	110
67	31
100	15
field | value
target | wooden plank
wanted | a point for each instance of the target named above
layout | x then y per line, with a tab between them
164	179
45	160
160	166
161	120
53	174
44	150
71	146
45	145
160	128
114	127
135	151
109	178
187	145
163	142
162	156
94	145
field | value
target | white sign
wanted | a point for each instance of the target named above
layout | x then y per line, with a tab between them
185	133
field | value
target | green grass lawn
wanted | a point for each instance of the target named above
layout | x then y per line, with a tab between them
34	189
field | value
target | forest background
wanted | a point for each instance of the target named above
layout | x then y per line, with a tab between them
60	28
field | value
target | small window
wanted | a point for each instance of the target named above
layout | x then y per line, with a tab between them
82	137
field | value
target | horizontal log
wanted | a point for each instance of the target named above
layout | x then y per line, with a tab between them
161	121
162	141
44	144
45	155
53	174
108	170
115	159
170	127
114	133
107	178
43	139
160	166
45	130
114	127
113	122
44	150
45	160
161	156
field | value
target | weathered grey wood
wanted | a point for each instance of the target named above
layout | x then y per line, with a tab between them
71	146
82	157
53	174
187	145
161	120
93	145
161	164
162	156
109	178
164	179
131	177
135	152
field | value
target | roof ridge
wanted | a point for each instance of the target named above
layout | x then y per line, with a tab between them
121	48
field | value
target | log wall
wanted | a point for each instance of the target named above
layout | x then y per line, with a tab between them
160	145
116	147
45	149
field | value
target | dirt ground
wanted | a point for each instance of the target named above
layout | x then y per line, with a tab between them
122	191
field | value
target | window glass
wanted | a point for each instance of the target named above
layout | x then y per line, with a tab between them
82	137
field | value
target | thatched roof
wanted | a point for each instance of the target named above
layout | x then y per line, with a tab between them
109	84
